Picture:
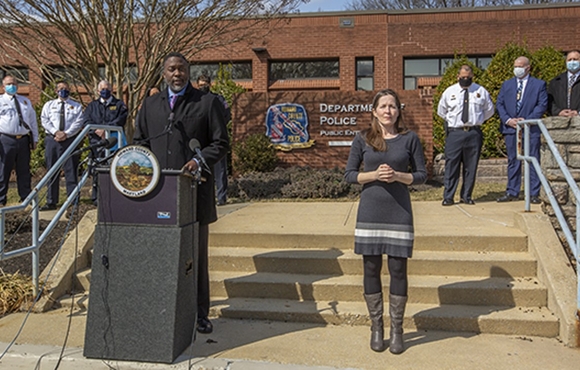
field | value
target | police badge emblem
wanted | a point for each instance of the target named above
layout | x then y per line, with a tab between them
287	126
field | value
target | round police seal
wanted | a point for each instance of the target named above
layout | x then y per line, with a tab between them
135	171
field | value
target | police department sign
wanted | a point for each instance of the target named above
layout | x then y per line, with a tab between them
135	171
287	126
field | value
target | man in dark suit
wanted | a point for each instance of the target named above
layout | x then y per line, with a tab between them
520	98
564	89
166	123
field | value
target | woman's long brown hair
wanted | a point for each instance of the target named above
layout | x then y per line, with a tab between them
374	134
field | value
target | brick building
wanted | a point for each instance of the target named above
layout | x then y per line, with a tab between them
318	60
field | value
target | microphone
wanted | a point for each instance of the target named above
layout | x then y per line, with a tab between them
107	143
194	145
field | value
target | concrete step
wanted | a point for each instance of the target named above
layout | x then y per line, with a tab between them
525	321
346	262
79	300
459	238
498	291
82	281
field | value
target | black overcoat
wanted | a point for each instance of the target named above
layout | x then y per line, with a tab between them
195	115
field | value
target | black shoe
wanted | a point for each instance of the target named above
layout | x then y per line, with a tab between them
48	207
447	202
506	198
204	326
221	202
467	201
535	200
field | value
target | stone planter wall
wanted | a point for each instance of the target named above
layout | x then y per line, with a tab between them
566	135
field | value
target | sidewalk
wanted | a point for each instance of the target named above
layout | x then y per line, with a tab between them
248	344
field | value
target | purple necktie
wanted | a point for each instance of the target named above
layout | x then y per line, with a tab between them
172	101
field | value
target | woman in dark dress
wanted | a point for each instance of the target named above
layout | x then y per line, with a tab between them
391	158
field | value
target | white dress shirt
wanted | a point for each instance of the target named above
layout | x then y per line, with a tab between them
450	107
73	120
9	120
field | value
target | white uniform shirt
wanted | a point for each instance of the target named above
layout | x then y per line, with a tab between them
450	107
50	117
9	121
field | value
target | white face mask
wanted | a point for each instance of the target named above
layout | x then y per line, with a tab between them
519	72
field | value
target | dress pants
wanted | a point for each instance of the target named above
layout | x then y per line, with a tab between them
203	273
15	154
54	150
221	179
515	165
461	148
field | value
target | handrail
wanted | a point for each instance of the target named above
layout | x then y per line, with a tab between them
573	242
33	200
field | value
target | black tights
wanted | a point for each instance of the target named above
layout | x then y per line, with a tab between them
397	271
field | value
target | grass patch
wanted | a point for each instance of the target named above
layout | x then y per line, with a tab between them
482	192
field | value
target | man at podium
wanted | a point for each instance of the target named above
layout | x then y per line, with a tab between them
186	129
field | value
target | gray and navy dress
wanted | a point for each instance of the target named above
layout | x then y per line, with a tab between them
384	222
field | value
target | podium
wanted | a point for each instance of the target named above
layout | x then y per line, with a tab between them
143	294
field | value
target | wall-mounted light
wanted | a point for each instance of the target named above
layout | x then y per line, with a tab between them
259	50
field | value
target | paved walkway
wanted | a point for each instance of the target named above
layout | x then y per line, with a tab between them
247	344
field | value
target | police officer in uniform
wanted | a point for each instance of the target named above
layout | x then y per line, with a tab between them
18	136
464	106
62	120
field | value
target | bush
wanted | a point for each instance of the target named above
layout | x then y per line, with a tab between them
255	154
259	185
316	184
292	183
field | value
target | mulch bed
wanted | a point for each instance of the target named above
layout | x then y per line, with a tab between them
19	235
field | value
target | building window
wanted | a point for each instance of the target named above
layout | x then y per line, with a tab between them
240	70
21	74
365	69
306	69
68	74
433	67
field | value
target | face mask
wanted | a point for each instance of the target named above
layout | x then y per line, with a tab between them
105	94
465	82
63	93
11	89
519	72
573	65
204	89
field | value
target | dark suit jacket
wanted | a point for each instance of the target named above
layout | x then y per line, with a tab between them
196	115
534	103
558	94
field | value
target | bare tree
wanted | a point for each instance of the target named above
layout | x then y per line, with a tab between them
125	41
428	4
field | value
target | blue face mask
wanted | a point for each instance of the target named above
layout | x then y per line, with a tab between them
11	89
573	65
63	93
105	94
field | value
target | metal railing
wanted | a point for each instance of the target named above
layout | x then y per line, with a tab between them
33	200
573	242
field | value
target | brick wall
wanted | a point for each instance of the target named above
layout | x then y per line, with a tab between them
249	117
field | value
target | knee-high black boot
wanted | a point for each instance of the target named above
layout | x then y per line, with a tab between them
397	312
376	310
